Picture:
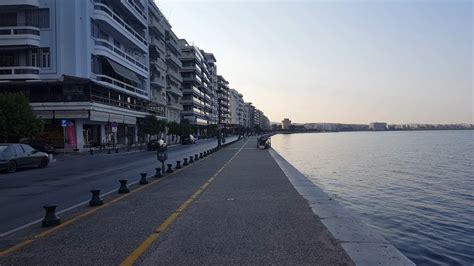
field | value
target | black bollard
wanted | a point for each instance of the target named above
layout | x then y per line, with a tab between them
116	150
50	218
185	162
158	172
178	165
123	186
170	170
108	151
143	180
200	155
191	159
196	157
96	200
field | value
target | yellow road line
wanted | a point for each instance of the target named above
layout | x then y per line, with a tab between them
154	236
26	242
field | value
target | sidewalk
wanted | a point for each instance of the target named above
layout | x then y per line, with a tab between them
235	206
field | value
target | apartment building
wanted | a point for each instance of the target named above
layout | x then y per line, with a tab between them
165	66
256	118
210	61
223	100
196	95
81	61
236	108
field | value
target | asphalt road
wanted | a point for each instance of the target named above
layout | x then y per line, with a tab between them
68	181
247	212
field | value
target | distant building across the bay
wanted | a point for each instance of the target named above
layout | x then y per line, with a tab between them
286	123
378	126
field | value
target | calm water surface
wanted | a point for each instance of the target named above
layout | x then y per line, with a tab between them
415	187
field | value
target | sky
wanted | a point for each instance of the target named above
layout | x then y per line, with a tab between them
339	61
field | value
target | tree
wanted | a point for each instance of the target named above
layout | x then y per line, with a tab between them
17	120
174	128
150	125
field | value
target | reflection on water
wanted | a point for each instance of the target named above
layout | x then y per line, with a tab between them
415	187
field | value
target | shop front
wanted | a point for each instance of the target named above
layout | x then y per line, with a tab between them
75	130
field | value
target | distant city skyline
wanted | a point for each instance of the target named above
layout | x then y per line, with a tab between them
340	61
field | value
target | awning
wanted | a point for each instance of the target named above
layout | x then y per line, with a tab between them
129	120
44	114
123	71
99	116
116	118
71	114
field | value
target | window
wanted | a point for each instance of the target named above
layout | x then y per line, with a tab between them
45	59
37	17
40	58
8	19
34	58
27	148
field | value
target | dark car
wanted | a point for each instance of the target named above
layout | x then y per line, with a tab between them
40	145
14	156
152	145
188	139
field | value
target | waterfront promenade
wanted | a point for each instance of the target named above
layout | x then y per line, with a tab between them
235	206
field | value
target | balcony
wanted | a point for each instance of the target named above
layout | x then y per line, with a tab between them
174	74
20	36
174	90
157	26
160	65
104	13
158	44
176	106
194	78
158	81
138	12
194	68
19	72
188	55
29	3
120	85
174	59
106	48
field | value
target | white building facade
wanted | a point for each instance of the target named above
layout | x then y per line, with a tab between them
81	61
236	107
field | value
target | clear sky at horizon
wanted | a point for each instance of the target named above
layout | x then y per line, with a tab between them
340	61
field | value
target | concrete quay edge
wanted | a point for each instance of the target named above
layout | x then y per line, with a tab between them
363	245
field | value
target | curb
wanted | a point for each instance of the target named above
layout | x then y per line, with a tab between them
363	245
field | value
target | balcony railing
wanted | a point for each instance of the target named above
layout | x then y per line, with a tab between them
138	10
120	84
16	35
158	44
174	90
34	3
174	105
19	72
110	13
121	53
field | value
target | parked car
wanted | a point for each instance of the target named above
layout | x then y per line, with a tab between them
14	156
40	145
188	139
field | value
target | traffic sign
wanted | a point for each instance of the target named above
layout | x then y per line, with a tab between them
64	123
114	126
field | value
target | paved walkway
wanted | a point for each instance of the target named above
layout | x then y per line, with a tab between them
235	206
